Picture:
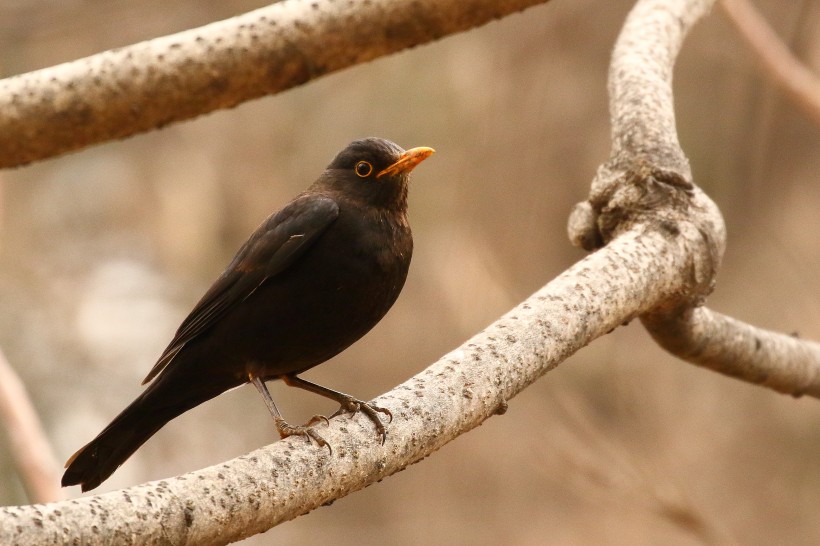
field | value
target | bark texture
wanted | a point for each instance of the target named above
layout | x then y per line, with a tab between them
648	181
126	91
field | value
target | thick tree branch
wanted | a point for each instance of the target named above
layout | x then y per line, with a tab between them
252	493
647	180
145	86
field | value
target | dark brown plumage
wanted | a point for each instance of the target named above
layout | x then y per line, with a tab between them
311	280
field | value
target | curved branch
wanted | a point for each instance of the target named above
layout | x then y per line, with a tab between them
145	86
641	103
647	181
723	344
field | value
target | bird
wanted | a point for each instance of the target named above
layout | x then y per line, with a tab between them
310	281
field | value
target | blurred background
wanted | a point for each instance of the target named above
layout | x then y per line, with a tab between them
104	251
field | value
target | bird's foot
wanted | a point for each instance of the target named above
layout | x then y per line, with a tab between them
285	429
352	405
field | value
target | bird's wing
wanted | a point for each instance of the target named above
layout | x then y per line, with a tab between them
272	248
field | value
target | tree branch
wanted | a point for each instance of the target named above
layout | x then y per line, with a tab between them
647	180
33	456
799	83
704	337
126	91
254	492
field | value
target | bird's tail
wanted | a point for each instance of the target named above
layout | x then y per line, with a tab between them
168	396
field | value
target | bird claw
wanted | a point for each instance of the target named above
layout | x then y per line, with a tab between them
317	419
352	405
306	430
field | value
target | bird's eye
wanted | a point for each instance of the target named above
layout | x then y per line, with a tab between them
363	168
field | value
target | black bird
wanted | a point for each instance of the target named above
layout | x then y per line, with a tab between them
311	280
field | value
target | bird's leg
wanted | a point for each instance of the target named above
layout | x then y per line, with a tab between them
285	429
348	403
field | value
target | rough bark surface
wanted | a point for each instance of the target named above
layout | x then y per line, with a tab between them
145	86
648	181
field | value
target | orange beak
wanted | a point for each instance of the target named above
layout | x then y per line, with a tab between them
408	161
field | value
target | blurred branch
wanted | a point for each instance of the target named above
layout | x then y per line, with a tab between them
126	91
30	448
799	83
647	181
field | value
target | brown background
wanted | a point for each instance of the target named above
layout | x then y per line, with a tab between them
104	251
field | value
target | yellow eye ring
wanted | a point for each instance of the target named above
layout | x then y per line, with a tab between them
363	169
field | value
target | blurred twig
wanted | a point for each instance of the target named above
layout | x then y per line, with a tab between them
800	84
148	85
30	447
608	466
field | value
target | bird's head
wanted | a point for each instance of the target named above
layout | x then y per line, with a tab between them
374	171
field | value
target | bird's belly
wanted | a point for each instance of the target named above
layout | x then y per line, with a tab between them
315	310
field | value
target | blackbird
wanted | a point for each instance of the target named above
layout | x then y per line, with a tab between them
310	281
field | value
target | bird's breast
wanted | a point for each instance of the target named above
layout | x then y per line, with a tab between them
373	251
336	292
